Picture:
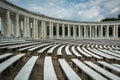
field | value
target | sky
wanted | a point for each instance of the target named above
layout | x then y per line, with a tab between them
78	10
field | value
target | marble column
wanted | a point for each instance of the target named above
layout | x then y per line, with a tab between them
96	31
33	29
2	26
74	31
17	27
87	31
28	27
45	30
51	30
68	30
79	31
42	29
107	31
24	28
8	25
117	31
90	31
36	29
63	30
114	31
84	31
57	30
101	30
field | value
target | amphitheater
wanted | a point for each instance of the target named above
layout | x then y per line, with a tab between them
37	47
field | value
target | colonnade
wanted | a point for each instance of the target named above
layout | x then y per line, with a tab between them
16	24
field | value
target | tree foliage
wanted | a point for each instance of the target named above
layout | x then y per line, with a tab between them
111	19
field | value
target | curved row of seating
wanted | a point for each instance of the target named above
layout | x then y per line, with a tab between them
60	60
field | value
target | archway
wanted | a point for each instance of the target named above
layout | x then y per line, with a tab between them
110	31
104	31
71	31
0	26
83	31
77	31
47	30
60	30
119	31
54	30
66	31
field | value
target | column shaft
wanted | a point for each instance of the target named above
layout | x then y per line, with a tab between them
68	30
90	31
84	31
33	29
79	31
74	31
114	31
101	30
57	30
117	31
51	30
107	31
8	25
95	30
42	30
24	28
17	27
28	27
36	29
63	30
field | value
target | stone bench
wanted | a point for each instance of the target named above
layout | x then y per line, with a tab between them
59	51
9	62
25	72
75	52
104	72
69	72
88	71
49	72
85	55
108	66
5	55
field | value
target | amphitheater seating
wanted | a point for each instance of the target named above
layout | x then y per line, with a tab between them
38	46
116	58
106	56
60	59
68	53
26	48
9	62
59	52
104	72
95	57
50	51
69	72
86	55
49	72
5	55
90	72
25	72
43	49
115	51
117	65
111	53
105	64
75	52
